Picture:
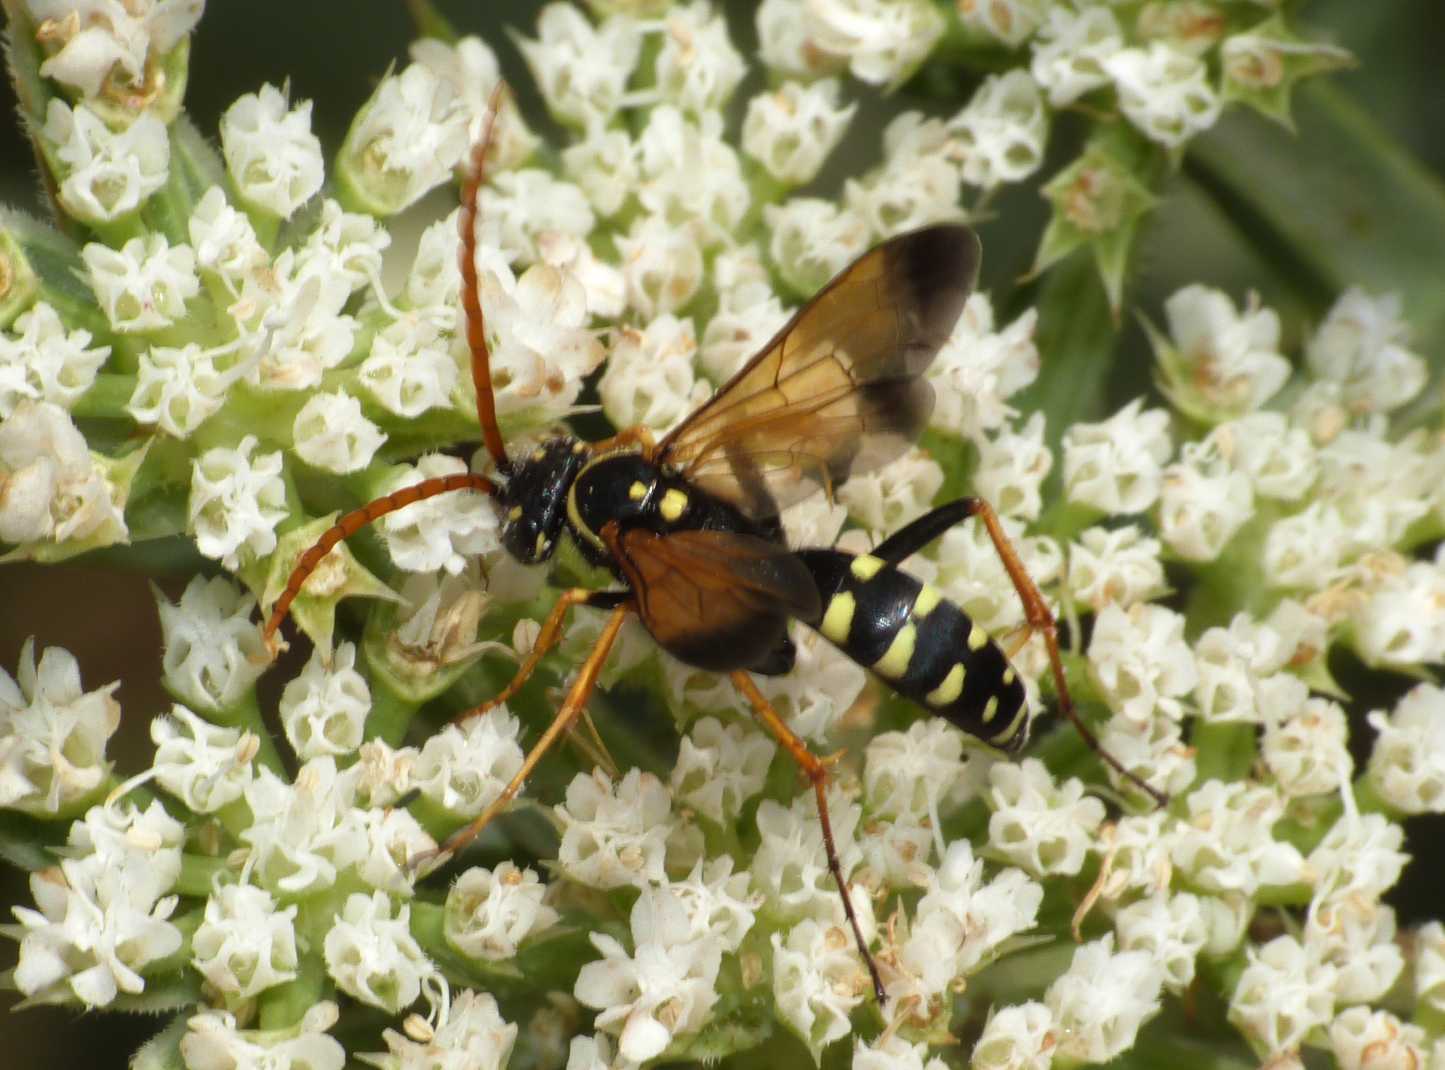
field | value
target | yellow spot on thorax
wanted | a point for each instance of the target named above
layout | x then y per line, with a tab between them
894	662
838	618
949	690
673	504
977	638
865	567
637	491
515	513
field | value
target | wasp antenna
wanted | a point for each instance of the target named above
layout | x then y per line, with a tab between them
350	523
471	297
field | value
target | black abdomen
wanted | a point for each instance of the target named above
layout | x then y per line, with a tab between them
921	644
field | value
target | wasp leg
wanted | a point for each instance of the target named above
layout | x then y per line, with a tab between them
352	522
546	639
640	435
911	538
816	770
1039	619
572	707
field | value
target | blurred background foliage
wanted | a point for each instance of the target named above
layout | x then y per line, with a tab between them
1354	196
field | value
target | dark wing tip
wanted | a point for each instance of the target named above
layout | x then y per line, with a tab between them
938	266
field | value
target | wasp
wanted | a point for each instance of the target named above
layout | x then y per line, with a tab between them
688	525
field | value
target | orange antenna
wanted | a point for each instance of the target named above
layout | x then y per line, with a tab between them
471	299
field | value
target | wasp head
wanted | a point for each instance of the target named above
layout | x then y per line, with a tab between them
534	501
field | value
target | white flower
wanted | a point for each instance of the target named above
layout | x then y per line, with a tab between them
1171	929
665	988
1037	824
1365	1039
1018	1037
212	651
1304	549
614	835
107	174
411	368
971	572
43	361
536	330
1115	566
1012	467
604	164
690	176
603	283
1103	998
323	708
790	866
980	368
791	130
697	66
718	902
273	157
468	1034
407	137
582	70
1309	752
1279	459
443	531
464	767
812	239
1227	843
1429	965
1141	661
720	767
213	1042
518	208
1407	765
1397	621
115	42
892	1052
1010	21
144	285
960	922
918	183
52	488
236	502
1001	133
1203	502
1357	936
883	41
1359	858
1282	995
661	263
818	979
919	772
302	834
1156	753
902	491
103	912
1165	92
245	944
1235	685
649	378
52	732
489	913
224	239
178	389
371	953
1222	362
1117	465
206	766
786	45
470	68
332	434
1362	346
1070	50
822	687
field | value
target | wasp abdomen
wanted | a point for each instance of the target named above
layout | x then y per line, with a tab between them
925	647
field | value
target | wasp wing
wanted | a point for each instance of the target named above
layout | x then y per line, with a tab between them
840	389
719	600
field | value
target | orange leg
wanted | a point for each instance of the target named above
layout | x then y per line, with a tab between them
1040	619
816	769
546	640
354	521
572	707
628	436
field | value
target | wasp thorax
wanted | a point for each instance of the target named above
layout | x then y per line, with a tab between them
534	501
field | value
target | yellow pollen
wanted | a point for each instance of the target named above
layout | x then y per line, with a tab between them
977	638
894	663
637	491
672	505
839	618
949	690
865	567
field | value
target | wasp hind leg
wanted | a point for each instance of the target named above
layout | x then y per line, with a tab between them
816	769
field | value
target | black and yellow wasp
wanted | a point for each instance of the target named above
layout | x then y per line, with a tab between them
689	527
